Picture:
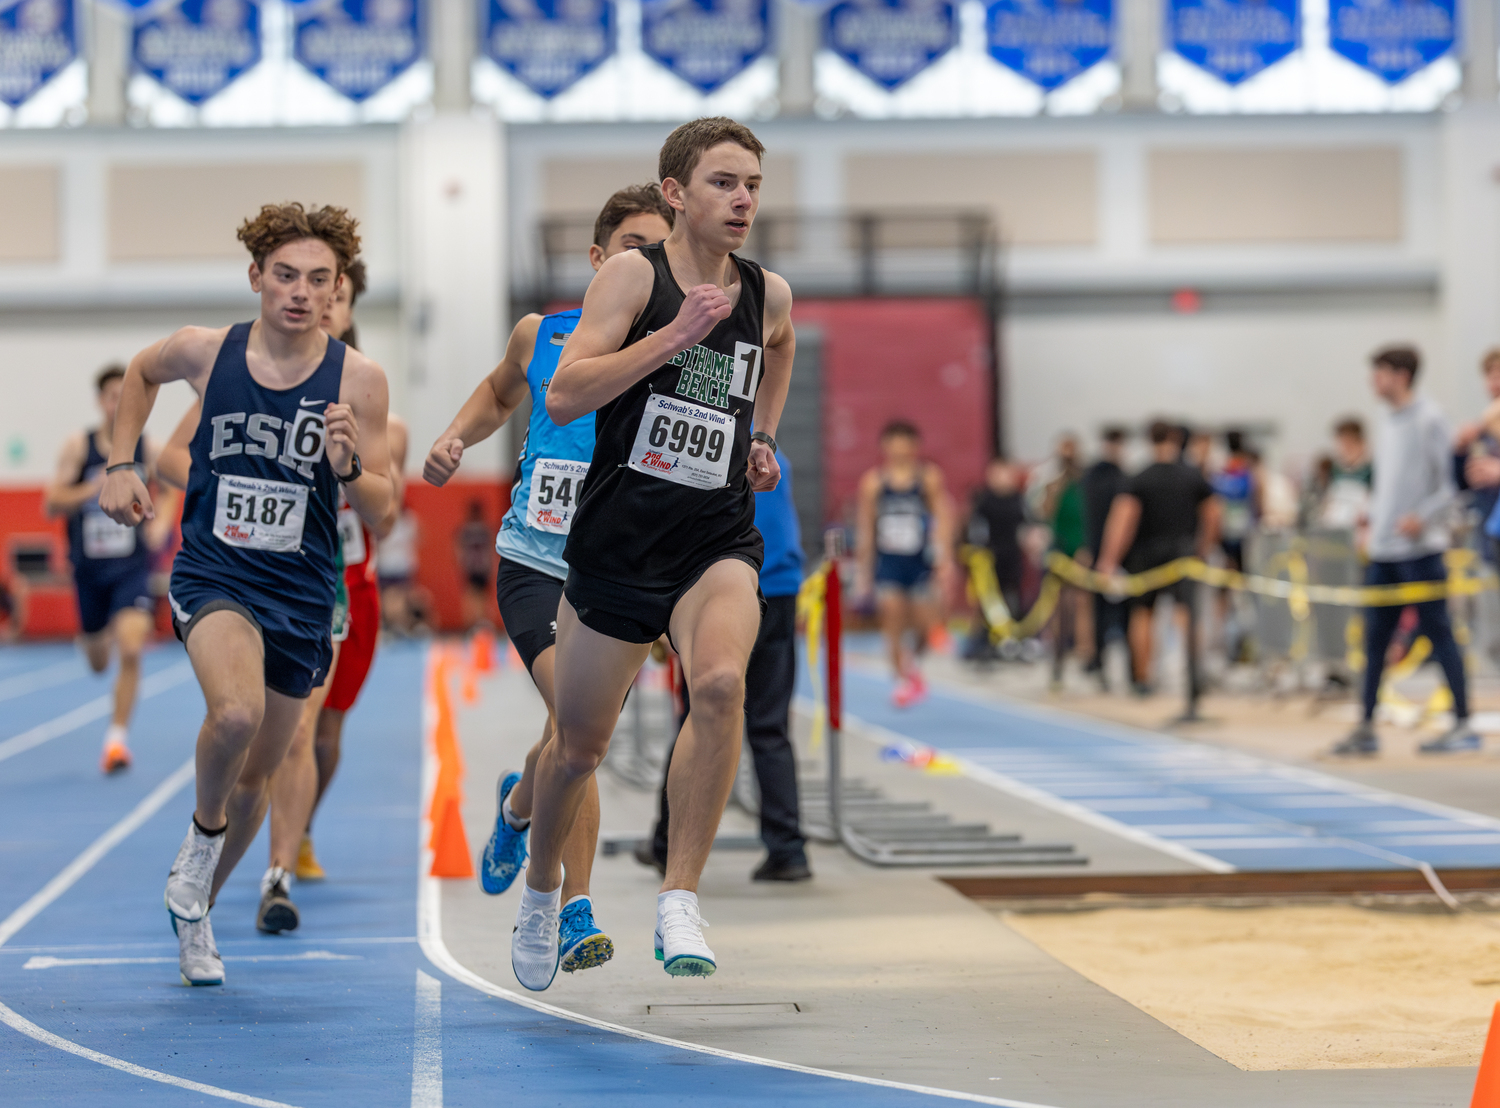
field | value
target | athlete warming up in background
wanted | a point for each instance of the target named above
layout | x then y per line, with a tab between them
684	354
288	414
553	463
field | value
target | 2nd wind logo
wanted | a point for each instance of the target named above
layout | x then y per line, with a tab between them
653	459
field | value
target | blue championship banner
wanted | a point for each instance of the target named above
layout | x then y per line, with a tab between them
36	40
358	46
1234	39
1391	38
1049	42
891	41
548	45
195	48
705	42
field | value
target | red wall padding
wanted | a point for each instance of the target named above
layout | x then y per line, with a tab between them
922	360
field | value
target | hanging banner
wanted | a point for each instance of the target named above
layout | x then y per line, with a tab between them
36	40
705	42
1049	41
1391	38
195	48
548	45
1234	39
891	41
358	46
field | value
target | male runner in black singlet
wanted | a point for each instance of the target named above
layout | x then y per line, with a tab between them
287	414
686	353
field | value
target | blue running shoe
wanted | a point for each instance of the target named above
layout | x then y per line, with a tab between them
505	854
581	944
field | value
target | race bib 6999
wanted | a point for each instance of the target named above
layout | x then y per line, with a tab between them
683	443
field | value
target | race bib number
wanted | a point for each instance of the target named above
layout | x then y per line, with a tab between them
351	537
104	538
554	494
683	443
900	533
260	515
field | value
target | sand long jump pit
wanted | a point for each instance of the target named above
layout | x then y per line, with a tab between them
1281	986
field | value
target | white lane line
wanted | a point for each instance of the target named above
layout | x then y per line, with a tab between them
97	850
223	944
59	885
97	708
45	678
43	961
427	1047
430	936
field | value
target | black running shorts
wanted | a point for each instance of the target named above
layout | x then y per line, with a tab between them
635	613
528	601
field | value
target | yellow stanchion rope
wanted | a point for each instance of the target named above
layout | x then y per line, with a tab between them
811	604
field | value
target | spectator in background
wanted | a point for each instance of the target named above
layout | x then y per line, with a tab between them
1409	513
996	516
405	606
1476	457
1346	501
1239	488
1102	482
1196	447
474	546
1062	510
1168	511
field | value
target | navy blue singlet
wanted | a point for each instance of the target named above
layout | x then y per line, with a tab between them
99	548
259	521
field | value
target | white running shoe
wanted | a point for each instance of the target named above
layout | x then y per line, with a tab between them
534	951
679	936
197	958
191	880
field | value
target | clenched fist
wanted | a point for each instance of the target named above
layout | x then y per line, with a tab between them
442	460
704	307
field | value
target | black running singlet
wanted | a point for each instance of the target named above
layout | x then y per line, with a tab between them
666	492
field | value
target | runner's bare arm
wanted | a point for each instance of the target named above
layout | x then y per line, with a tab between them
185	355
66	493
864	530
1119	531
168	497
356	424
593	369
776	378
174	461
941	506
396	436
493	402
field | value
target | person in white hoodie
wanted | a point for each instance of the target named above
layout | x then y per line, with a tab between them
1410	508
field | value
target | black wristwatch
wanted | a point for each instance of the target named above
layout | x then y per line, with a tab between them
355	469
761	436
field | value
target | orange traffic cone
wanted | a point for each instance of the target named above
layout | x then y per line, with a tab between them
1487	1086
450	846
482	651
470	687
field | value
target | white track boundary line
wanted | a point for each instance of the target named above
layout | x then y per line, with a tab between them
60	884
97	708
46	677
430	936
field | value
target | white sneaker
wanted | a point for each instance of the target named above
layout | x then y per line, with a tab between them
192	877
679	936
534	951
197	958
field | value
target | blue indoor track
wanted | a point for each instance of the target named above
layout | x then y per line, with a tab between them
347	1010
1220	809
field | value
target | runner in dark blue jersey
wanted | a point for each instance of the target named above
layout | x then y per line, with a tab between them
289	415
111	563
530	544
684	354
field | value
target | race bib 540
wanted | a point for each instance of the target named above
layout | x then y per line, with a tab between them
260	515
683	443
554	494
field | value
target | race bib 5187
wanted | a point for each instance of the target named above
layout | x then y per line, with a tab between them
683	443
253	514
554	494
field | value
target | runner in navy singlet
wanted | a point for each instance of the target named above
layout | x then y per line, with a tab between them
288	415
684	352
532	570
111	562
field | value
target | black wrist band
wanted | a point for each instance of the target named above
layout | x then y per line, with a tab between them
761	436
118	465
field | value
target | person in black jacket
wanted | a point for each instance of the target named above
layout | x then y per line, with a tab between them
1102	482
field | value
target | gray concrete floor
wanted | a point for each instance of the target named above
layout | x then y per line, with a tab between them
892	973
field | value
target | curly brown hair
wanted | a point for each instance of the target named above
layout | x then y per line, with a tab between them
279	224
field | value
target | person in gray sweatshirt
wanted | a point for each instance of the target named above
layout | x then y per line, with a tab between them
1410	509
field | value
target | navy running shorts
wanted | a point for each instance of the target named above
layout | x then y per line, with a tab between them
100	598
295	663
902	572
528	605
